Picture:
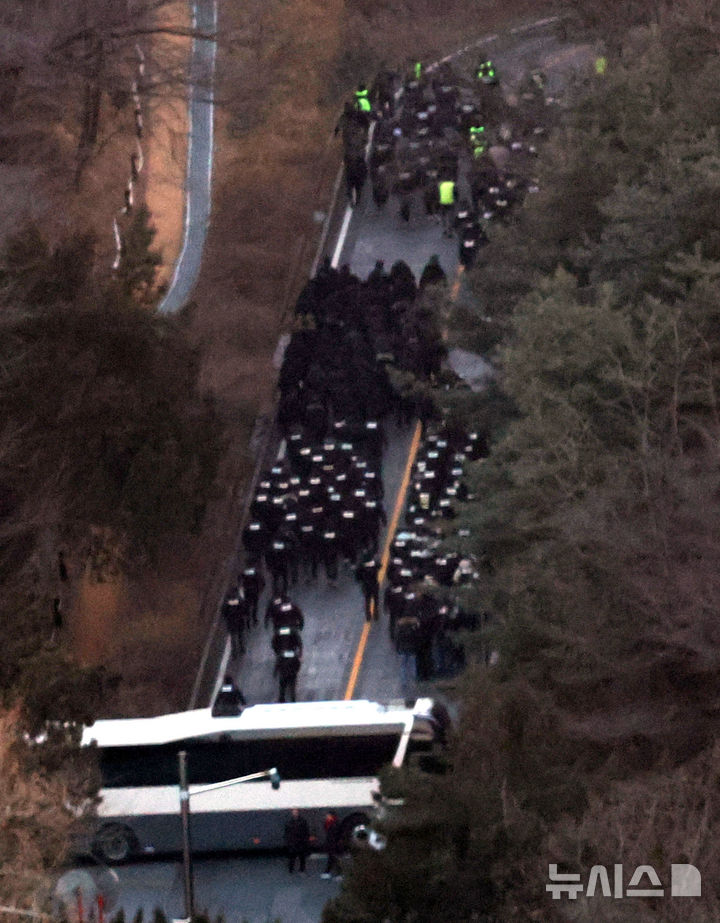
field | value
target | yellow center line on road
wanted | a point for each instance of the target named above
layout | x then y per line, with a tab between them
400	501
399	504
385	560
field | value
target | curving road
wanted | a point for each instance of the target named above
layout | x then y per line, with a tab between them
198	179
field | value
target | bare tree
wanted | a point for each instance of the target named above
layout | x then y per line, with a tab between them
63	63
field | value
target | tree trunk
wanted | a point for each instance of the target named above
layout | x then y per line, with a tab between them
92	96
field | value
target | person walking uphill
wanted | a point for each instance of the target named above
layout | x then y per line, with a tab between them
253	584
355	176
297	840
446	195
362	99
288	667
367	575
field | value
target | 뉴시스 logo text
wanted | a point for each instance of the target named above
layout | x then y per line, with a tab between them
608	881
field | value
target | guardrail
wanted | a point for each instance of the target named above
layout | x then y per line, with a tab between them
137	161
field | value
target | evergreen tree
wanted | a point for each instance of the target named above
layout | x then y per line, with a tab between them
597	518
135	276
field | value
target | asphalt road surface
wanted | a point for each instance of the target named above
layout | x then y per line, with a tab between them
198	179
260	888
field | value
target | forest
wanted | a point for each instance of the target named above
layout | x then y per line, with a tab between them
593	738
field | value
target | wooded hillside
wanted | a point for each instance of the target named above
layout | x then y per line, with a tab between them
593	740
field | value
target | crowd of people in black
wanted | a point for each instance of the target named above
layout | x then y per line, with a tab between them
422	613
445	145
320	507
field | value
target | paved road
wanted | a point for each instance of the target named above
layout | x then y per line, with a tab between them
258	889
198	182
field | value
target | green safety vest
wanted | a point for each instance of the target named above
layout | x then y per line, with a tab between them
600	65
477	131
418	70
362	101
447	192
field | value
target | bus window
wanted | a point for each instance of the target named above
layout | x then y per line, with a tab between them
295	757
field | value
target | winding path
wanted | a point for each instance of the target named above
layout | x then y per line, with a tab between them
198	179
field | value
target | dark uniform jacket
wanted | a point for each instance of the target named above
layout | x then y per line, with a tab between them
297	835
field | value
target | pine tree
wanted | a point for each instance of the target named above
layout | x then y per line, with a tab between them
136	273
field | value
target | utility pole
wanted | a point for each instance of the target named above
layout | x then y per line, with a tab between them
185	817
272	774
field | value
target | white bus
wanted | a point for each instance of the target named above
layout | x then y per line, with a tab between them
328	755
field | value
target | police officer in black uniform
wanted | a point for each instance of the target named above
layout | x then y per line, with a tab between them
255	539
330	554
367	575
234	614
287	640
253	583
287	668
394	604
281	612
229	701
277	559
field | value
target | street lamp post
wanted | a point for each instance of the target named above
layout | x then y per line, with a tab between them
185	818
272	774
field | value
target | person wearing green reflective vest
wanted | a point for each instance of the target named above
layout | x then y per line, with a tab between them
446	197
362	99
600	65
486	73
418	68
478	140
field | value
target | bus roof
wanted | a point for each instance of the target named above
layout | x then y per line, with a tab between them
343	716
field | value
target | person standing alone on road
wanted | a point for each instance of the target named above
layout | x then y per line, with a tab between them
297	840
332	845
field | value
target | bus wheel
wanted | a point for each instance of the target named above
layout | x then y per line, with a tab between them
349	826
114	843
